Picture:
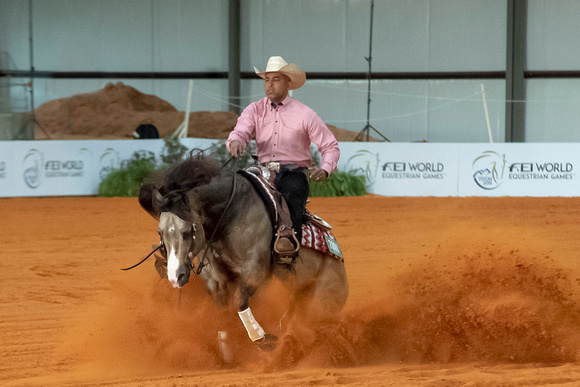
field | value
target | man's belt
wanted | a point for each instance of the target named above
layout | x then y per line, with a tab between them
275	166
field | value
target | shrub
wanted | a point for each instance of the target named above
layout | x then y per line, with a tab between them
220	153
127	182
339	183
173	151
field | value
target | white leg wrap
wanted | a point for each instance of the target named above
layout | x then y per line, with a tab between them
254	329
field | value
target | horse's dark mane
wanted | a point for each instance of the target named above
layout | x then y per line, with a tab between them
195	171
199	184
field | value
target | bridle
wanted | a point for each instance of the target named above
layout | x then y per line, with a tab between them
209	244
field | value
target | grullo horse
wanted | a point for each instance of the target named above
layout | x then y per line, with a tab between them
217	216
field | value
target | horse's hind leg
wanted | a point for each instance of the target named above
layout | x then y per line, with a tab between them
301	301
331	291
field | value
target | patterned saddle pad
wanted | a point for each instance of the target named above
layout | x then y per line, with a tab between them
321	239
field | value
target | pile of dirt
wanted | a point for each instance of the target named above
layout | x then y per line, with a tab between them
117	110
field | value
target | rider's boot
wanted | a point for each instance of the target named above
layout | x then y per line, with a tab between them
286	245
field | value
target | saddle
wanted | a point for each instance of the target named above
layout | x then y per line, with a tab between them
316	232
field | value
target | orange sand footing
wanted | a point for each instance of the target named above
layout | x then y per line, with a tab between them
443	292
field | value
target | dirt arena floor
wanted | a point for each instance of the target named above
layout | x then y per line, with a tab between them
443	292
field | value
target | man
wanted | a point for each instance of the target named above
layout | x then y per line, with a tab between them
283	129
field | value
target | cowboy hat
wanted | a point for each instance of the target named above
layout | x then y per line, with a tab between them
291	70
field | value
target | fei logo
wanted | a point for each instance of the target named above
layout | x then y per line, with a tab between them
33	166
108	161
489	170
370	165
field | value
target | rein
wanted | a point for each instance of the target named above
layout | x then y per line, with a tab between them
230	200
204	259
144	259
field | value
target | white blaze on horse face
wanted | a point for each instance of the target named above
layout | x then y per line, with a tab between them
176	235
172	266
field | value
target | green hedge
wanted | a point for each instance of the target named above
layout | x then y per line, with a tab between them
339	183
127	182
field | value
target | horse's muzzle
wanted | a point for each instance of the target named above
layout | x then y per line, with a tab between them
180	277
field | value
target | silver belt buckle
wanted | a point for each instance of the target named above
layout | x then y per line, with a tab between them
273	166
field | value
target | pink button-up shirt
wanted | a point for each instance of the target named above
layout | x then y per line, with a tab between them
284	133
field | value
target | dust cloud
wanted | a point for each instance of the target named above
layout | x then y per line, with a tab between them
496	304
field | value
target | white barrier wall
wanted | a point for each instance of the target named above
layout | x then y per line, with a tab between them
55	168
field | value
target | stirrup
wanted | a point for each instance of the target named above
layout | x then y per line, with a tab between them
286	245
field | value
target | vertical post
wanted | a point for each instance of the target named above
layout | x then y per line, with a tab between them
31	49
515	115
486	111
234	55
370	60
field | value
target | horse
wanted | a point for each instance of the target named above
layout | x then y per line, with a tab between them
216	215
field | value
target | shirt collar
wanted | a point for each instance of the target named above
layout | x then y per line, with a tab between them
285	102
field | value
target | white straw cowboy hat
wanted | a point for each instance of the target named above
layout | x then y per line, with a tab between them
291	70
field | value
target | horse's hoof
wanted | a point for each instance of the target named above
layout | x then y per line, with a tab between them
267	343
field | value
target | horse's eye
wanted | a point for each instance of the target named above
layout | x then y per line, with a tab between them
186	234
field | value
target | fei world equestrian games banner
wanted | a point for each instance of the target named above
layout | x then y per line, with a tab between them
503	169
63	168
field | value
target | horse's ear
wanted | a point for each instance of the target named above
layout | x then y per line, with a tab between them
149	199
157	200
201	216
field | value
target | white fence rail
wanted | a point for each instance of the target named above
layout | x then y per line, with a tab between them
63	168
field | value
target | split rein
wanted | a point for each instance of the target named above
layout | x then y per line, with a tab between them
204	259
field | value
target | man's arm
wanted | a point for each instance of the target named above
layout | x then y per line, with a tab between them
327	146
243	132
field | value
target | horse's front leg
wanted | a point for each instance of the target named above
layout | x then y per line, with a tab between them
244	291
254	329
265	341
